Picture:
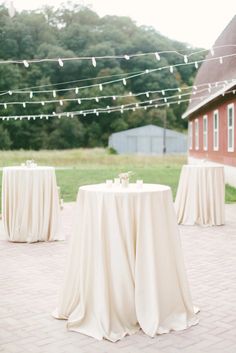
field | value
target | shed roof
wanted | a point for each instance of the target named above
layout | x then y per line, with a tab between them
150	130
212	71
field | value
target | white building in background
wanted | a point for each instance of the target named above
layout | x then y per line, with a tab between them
149	139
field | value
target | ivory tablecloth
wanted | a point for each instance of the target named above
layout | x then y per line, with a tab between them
200	196
30	204
125	268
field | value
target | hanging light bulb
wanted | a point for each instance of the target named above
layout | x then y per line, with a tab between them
61	102
28	118
43	103
163	92
100	87
31	94
157	56
97	99
179	89
185	59
5	105
76	90
130	93
221	60
34	117
147	71
126	57
165	100
150	102
181	97
46	117
171	69
137	105
54	94
10	93
124	81
79	101
60	62
114	98
147	94
24	104
94	62
196	64
26	64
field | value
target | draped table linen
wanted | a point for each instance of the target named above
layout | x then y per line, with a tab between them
30	204
125	268
200	195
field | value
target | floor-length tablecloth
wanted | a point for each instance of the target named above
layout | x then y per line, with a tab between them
30	204
125	268
200	195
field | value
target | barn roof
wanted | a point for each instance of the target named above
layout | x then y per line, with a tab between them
213	71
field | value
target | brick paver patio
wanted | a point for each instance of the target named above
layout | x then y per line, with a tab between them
30	276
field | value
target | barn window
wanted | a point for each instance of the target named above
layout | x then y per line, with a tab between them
196	134
190	135
230	121
216	130
205	132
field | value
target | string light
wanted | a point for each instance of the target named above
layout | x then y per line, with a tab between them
100	87
76	90
102	110
119	80
26	64
171	69
126	56
94	62
124	81
147	93
60	62
185	59
196	64
31	94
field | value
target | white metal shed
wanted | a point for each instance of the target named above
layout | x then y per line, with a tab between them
148	139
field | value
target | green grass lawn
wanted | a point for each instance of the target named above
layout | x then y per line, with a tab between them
89	166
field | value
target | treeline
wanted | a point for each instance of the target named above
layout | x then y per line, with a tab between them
72	31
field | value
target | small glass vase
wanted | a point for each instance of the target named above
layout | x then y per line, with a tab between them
125	183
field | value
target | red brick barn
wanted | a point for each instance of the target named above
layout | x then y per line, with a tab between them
212	110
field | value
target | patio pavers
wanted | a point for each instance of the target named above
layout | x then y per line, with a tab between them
31	275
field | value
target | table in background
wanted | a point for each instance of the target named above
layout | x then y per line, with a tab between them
30	204
125	268
201	195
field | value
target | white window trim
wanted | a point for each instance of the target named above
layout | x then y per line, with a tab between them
230	106
205	133
216	131
190	135
196	123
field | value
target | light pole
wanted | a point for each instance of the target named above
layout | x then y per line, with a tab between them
164	132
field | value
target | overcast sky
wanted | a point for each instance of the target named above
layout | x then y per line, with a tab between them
195	22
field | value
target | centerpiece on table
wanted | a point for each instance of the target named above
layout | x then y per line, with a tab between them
124	178
30	163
